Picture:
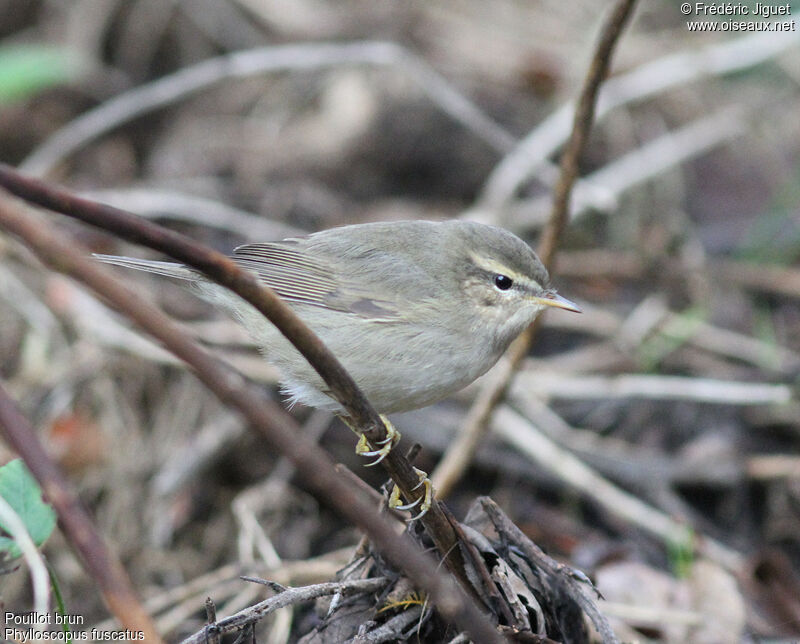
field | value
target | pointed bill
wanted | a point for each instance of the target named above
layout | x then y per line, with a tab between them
556	301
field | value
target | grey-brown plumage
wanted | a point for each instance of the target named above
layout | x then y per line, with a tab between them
415	310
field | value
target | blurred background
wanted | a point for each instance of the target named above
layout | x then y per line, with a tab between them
677	385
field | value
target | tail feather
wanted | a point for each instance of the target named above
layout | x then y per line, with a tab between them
170	269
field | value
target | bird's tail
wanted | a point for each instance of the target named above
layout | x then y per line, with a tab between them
170	269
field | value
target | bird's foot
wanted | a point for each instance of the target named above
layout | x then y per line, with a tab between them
363	448
424	502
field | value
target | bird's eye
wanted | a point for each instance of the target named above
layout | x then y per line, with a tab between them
503	282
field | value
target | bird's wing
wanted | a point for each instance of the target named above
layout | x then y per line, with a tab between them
298	277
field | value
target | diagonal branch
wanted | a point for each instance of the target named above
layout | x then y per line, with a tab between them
455	460
581	127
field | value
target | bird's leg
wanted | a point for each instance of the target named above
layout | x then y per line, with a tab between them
363	448
424	502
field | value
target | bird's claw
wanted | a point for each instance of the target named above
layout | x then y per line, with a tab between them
424	502
363	447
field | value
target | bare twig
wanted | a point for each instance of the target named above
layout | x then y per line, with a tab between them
275	425
602	189
461	638
211	618
151	202
731	344
104	567
226	581
707	390
773	466
643	82
183	83
285	597
523	436
458	456
584	116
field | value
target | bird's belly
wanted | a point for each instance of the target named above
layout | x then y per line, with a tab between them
407	387
399	367
419	374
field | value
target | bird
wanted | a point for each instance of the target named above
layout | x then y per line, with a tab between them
414	310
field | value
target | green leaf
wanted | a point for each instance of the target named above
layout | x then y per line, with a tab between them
28	69
23	494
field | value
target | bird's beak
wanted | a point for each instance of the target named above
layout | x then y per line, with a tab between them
551	298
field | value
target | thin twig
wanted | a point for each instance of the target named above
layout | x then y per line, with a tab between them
275	425
226	581
211	619
286	597
602	189
459	455
520	433
653	387
187	81
151	202
582	125
773	466
644	81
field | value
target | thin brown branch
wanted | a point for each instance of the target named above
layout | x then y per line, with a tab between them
581	127
212	633
102	564
274	424
459	455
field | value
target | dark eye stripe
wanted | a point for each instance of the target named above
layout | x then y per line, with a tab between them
503	282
